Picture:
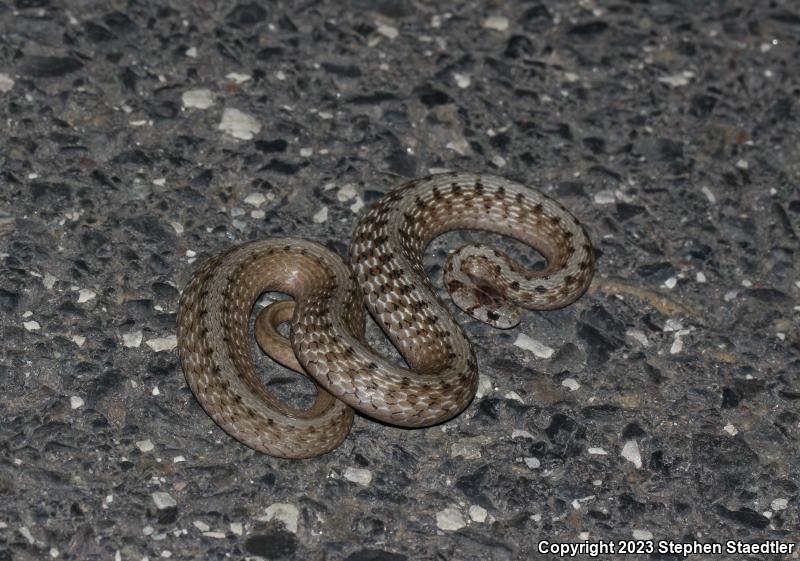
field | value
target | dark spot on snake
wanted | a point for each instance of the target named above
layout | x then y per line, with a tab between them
540	289
538	208
515	285
520	197
494	316
455	187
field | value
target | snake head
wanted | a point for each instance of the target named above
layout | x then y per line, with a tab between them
472	279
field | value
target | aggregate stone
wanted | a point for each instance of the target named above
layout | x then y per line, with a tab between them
662	403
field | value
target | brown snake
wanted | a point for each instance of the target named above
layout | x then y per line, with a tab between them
385	273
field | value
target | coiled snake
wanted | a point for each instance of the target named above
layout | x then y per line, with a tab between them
385	273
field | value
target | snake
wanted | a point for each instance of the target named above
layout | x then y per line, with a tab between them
386	277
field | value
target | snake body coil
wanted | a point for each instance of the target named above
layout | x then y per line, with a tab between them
386	275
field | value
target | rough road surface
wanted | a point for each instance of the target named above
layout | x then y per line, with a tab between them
138	138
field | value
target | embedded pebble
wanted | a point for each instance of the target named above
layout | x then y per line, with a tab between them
499	161
6	83
631	453
239	124
202	526
321	215
532	463
387	30
145	445
537	348
76	402
450	519
459	145
519	433
709	194
255	199
779	504
605	197
162	344
238	77
639	336
463	81
197	99
357	205
571	384
597	451
26	533
677	80
163	500
86	295
731	429
677	342
283	512
484	386
32	325
214	535
497	23
642	535
358	475
236	528
346	192
478	513
132	339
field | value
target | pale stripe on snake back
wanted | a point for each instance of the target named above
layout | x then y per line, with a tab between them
327	326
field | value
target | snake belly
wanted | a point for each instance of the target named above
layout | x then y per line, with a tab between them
386	275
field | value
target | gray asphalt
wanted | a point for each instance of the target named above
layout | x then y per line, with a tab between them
139	138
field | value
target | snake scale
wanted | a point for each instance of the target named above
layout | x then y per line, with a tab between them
386	274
